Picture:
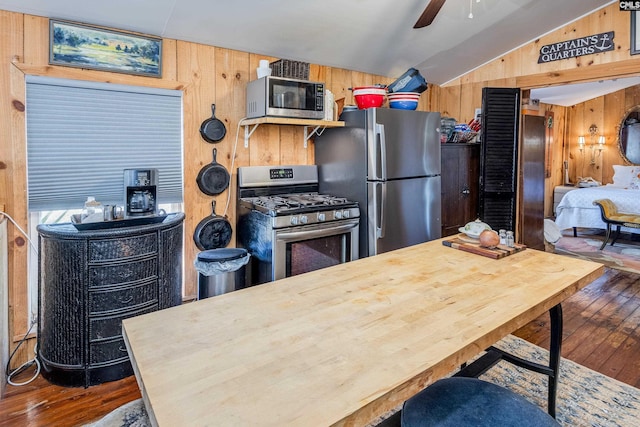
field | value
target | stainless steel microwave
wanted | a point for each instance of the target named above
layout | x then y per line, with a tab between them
283	97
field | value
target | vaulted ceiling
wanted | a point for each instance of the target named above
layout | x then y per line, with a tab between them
372	36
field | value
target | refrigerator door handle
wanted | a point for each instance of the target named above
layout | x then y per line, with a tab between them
383	150
381	225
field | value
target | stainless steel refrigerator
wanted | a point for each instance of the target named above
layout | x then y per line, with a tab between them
387	160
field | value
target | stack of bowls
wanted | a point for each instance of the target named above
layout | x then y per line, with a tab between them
369	96
404	100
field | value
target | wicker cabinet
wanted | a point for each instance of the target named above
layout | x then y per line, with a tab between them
89	281
460	185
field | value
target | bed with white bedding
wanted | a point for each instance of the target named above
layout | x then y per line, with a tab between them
576	209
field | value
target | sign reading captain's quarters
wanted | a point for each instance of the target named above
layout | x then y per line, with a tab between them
587	45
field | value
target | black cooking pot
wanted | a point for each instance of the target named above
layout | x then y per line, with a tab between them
212	232
213	178
212	129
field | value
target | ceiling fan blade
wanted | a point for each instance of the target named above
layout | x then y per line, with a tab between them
429	13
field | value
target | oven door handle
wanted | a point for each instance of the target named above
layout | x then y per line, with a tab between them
320	232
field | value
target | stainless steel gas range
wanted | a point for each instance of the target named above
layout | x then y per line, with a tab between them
288	227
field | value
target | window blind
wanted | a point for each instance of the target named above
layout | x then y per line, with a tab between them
82	135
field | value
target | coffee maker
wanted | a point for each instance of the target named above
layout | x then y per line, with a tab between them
140	192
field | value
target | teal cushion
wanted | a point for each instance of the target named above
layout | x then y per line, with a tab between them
460	401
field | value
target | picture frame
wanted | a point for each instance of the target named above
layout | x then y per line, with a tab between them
634	47
91	47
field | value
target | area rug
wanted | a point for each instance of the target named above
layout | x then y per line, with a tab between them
132	414
621	256
585	397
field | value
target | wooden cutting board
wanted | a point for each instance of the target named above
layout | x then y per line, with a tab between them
499	251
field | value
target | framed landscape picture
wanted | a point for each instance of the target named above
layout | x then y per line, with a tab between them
635	36
85	46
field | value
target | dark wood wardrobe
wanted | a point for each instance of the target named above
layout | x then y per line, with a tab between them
460	185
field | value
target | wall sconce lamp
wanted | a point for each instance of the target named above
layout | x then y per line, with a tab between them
594	145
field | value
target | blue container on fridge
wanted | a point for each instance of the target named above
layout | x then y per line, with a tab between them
410	81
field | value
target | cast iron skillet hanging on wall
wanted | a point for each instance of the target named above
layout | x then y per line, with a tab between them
213	232
213	178
212	129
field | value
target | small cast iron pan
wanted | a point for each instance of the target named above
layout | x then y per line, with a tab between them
213	232
212	129
213	178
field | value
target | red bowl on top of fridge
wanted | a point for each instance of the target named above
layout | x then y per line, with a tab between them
369	96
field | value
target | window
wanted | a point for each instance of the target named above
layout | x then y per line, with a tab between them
80	138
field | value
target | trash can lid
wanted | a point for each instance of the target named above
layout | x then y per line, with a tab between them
222	254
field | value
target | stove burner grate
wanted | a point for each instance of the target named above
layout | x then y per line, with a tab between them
284	202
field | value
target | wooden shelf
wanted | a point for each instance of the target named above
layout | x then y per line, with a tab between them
316	125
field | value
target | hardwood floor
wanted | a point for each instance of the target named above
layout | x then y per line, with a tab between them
601	331
601	327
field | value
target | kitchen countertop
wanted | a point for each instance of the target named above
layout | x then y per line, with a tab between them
342	345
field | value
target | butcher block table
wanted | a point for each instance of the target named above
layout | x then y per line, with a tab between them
343	345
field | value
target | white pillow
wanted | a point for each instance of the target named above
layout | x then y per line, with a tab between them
624	175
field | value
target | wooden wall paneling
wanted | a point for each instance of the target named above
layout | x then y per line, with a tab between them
623	68
578	128
36	40
11	29
19	249
612	108
594	114
522	63
264	146
570	142
430	100
450	101
12	180
340	84
614	111
169	59
233	72
523	58
362	79
556	153
566	152
470	99
501	66
632	96
195	65
292	150
318	73
609	19
549	157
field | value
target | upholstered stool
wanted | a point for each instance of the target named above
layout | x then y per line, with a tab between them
611	216
461	401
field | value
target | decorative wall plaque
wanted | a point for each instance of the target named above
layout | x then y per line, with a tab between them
587	45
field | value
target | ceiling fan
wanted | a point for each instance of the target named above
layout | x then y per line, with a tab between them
429	13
